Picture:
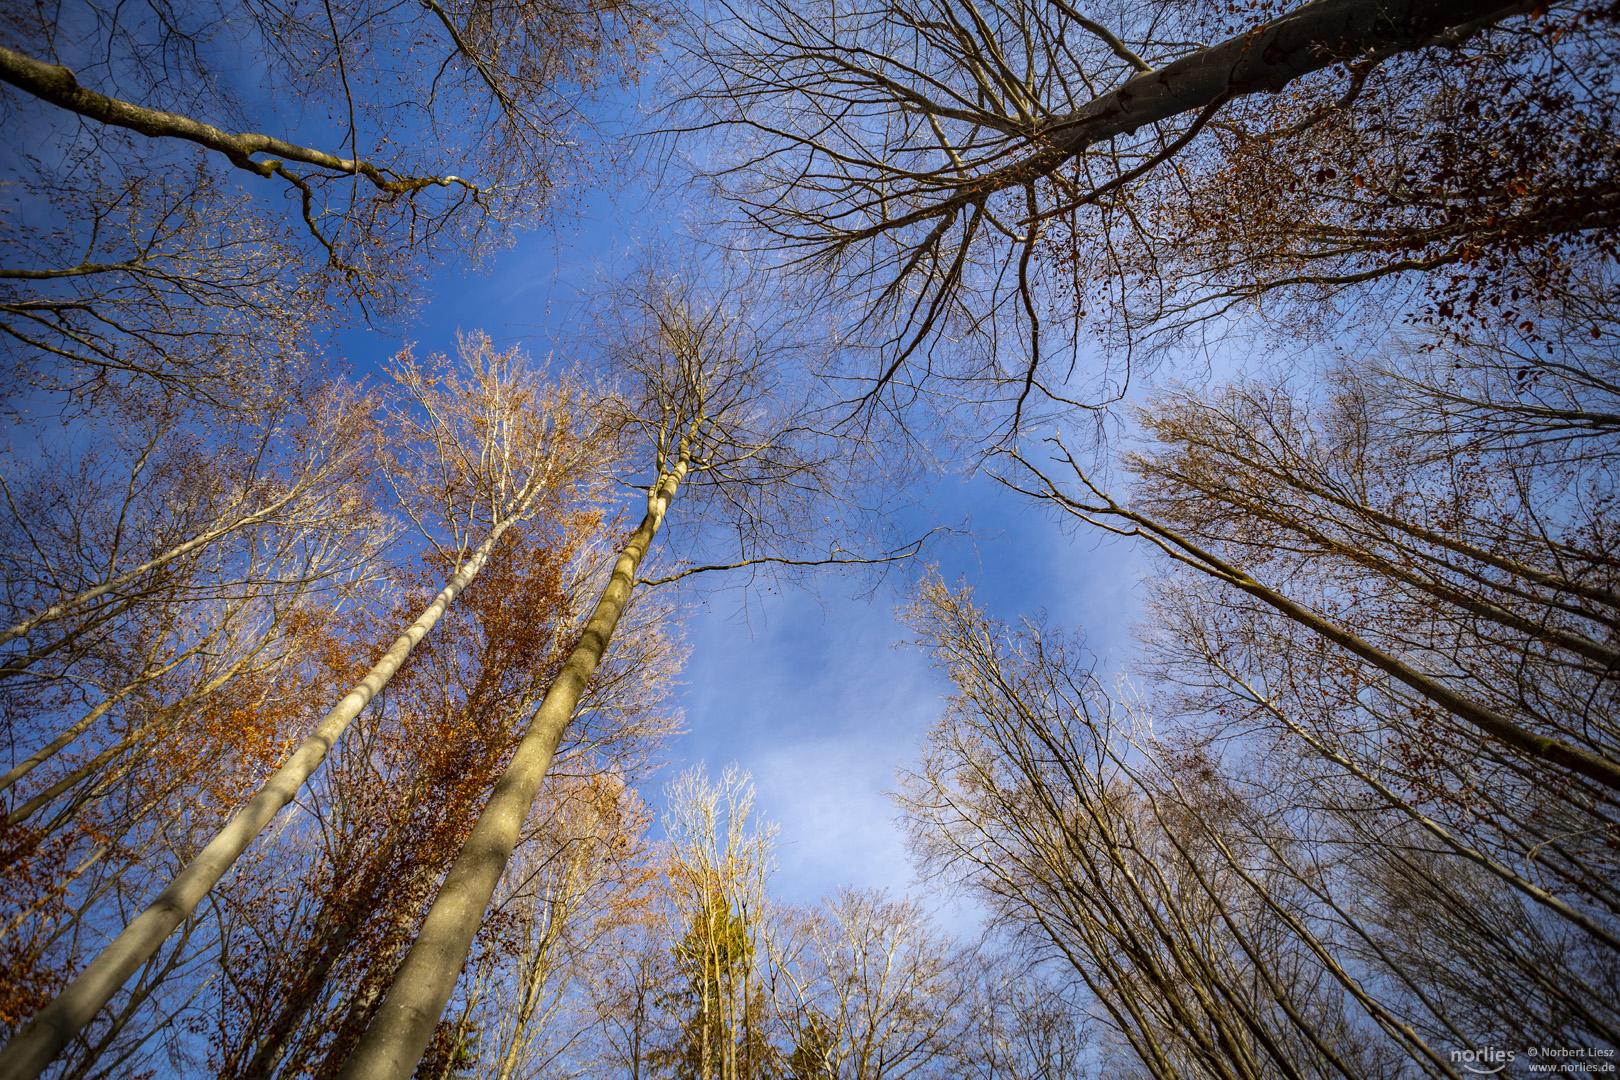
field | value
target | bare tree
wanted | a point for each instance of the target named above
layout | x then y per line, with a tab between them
868	990
1430	883
720	859
627	1023
1021	1024
1396	608
202	222
952	169
156	500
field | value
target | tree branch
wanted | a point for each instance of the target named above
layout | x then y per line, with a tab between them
58	86
909	551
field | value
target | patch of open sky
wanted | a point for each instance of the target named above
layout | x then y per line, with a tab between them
529	294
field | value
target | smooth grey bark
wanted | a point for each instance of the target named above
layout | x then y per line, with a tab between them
48	1033
59	86
1263	60
398	1035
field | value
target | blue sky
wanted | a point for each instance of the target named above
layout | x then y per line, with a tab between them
816	696
821	701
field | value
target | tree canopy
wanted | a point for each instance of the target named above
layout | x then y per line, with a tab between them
337	672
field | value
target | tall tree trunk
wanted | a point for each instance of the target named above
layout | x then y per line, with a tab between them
398	1036
45	1036
543	965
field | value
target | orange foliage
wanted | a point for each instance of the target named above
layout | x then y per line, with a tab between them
408	785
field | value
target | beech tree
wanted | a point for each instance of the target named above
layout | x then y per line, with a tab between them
956	170
1424	877
393	807
1293	208
194	225
564	907
1484	465
716	419
1384	658
495	447
276	469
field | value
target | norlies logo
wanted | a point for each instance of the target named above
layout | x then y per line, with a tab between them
1484	1061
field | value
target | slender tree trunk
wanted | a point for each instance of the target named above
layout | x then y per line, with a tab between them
540	971
52	748
44	1037
404	1024
63	608
1577	759
635	1033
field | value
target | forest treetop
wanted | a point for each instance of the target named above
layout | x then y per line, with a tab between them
209	184
991	190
